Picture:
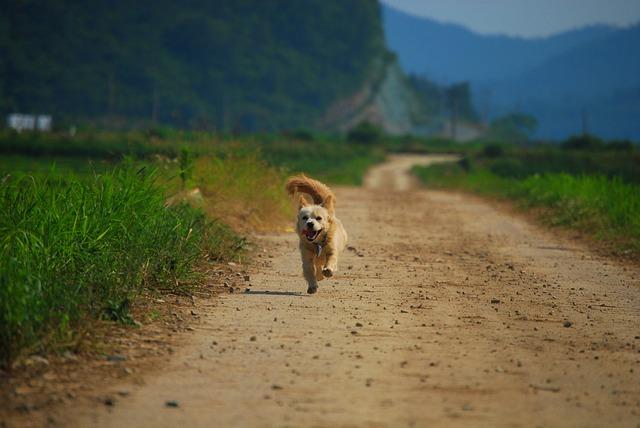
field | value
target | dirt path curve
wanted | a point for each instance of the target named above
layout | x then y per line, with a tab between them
447	313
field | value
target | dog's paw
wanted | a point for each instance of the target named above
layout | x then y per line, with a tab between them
312	289
327	272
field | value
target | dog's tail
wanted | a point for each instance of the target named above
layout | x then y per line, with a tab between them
319	192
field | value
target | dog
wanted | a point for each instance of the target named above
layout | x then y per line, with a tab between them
322	236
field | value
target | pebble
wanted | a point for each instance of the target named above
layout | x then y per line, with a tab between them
171	403
116	358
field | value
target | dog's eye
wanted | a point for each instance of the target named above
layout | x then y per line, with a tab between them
305	217
319	218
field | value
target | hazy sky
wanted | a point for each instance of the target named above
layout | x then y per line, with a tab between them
528	18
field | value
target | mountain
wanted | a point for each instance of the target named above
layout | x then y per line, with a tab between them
599	79
591	73
245	65
450	53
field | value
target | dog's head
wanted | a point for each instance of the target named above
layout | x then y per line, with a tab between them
314	219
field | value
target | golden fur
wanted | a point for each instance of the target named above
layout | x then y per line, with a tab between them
322	236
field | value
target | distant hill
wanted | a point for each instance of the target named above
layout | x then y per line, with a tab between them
595	70
450	53
600	79
247	64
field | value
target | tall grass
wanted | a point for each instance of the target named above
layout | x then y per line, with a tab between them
244	191
607	208
73	250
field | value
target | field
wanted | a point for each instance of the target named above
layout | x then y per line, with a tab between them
91	221
328	158
594	190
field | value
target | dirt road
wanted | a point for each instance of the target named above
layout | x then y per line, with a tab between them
446	312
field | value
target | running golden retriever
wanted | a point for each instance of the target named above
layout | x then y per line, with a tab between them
322	236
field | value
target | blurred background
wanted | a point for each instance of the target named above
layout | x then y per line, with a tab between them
462	69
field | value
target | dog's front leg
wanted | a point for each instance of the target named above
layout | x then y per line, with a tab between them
309	271
331	266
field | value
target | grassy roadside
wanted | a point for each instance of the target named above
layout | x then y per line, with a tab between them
75	250
606	208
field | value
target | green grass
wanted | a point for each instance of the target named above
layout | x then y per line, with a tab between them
332	161
606	208
328	158
73	250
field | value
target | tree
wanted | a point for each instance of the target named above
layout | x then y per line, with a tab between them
515	127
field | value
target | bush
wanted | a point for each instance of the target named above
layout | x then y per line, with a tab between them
492	151
583	142
510	168
365	133
620	145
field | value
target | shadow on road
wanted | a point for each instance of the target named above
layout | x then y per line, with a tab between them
275	293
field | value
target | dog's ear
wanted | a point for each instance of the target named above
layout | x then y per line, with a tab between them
302	201
329	204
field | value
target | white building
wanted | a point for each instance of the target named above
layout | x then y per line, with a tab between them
29	122
43	123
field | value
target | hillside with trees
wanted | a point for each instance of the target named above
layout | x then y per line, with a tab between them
243	65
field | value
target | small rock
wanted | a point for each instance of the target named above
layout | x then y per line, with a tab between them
116	358
36	360
171	403
109	402
253	338
247	278
495	301
70	356
276	387
567	324
358	324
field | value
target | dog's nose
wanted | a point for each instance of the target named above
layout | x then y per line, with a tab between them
309	224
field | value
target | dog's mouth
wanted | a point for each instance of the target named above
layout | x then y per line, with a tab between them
311	234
